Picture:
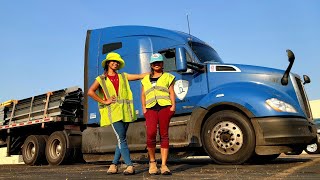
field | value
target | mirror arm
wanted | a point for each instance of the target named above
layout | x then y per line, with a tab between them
202	70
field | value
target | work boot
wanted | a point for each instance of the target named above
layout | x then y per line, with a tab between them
165	170
129	171
113	169
153	170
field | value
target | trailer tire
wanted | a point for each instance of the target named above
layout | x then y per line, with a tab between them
46	137
228	137
56	148
33	150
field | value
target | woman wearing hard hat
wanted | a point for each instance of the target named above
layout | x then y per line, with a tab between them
158	103
116	106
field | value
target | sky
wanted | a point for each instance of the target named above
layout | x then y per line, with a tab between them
42	42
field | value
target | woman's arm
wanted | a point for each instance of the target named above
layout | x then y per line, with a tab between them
143	101
133	77
92	93
172	97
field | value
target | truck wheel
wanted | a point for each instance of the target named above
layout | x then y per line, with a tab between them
228	137
56	149
315	147
33	150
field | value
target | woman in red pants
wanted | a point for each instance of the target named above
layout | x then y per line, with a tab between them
158	103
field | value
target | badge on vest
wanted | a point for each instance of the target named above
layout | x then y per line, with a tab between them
181	88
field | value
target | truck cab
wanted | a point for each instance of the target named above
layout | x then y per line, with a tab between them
231	112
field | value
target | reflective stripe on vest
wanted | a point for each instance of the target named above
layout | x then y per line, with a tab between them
106	93
157	88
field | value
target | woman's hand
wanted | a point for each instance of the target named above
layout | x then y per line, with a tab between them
144	110
173	108
113	99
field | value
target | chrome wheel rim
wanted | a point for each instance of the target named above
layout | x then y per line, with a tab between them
312	147
55	149
227	137
31	150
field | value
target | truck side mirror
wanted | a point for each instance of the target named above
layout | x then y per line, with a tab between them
181	59
306	79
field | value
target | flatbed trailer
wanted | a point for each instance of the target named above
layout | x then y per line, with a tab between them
29	123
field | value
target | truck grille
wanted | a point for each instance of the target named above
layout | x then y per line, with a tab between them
302	96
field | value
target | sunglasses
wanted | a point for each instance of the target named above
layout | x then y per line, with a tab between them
157	62
114	61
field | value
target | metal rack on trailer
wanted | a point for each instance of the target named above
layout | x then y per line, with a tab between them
32	122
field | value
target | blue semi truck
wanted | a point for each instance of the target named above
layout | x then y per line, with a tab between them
232	112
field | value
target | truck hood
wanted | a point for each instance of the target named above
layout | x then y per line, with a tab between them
239	77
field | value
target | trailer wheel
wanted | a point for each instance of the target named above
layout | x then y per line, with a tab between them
56	149
46	137
33	150
228	137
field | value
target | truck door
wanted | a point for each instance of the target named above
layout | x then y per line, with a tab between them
190	87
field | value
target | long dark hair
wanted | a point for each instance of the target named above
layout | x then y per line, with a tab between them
106	68
152	71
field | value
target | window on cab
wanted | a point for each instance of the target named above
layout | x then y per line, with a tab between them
169	60
111	47
204	52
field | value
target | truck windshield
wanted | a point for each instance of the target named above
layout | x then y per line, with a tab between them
204	52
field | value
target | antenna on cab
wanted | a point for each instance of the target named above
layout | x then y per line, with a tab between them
188	26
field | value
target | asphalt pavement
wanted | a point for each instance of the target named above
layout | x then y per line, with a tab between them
285	167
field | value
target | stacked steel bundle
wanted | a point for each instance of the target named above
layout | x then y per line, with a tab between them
64	103
3	112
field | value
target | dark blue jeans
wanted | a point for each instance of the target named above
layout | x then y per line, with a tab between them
120	129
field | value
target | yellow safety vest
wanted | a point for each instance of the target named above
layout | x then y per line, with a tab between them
158	93
123	109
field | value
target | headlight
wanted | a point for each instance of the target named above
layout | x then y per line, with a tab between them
280	106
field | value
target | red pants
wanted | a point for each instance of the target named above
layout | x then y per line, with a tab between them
153	118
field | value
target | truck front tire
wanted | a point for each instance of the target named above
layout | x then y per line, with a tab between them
228	137
33	150
56	148
315	147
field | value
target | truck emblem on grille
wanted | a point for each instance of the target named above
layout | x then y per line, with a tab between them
181	88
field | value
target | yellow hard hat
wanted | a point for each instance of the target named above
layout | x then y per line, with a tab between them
115	57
